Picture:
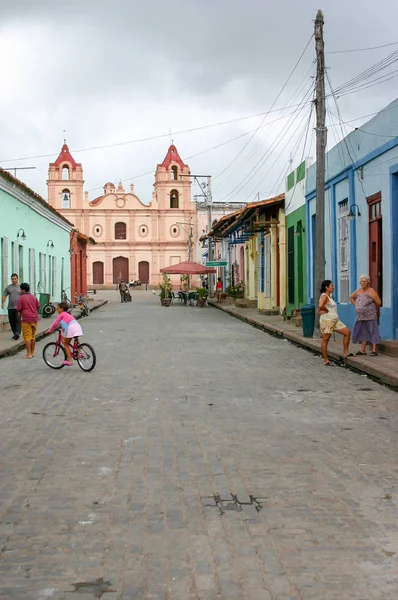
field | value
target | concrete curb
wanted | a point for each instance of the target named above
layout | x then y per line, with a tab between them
20	345
383	374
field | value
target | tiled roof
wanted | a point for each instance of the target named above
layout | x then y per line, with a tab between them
172	156
65	156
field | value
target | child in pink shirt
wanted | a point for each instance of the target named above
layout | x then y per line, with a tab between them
70	328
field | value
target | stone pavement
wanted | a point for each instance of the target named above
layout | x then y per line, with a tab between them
200	460
9	346
383	367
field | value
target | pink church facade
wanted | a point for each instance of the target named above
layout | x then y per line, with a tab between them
134	240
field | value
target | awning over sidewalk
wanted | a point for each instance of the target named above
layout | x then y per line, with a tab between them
187	267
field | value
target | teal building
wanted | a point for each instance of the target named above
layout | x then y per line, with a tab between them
34	240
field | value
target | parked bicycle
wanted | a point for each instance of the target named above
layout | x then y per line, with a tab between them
81	302
54	354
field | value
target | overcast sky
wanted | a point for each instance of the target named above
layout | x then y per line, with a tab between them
121	70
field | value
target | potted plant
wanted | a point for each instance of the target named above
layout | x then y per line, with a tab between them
184	281
202	296
165	287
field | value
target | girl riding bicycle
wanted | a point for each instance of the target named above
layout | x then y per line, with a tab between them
70	329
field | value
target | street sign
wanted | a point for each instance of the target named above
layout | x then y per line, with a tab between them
216	263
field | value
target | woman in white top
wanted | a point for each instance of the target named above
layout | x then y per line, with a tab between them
329	322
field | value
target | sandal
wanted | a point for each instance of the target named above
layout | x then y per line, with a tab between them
359	353
328	364
373	354
344	356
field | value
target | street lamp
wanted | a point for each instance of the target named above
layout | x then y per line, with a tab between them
50	244
299	228
22	235
351	214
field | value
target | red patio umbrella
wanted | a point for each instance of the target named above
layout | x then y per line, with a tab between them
187	267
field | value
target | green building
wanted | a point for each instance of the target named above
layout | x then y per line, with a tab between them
296	238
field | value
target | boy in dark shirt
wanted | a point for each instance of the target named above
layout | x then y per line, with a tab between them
28	307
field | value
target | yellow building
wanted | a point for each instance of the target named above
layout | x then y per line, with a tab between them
253	242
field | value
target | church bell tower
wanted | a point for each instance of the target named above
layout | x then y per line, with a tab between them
65	182
172	183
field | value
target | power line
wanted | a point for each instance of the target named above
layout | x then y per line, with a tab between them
361	49
272	105
259	142
264	158
154	137
203	151
368	73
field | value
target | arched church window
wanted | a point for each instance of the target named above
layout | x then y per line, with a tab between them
174	195
65	198
120	231
65	172
174	172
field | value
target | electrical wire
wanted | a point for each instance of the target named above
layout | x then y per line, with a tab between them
264	157
272	106
277	158
271	149
154	137
123	180
260	141
368	73
361	49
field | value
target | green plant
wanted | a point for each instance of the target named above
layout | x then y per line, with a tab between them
165	286
202	293
184	279
236	291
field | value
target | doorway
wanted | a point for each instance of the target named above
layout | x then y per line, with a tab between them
375	243
120	269
98	272
143	271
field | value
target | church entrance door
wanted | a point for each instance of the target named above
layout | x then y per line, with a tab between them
120	269
143	271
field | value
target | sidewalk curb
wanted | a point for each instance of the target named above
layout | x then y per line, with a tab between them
381	374
16	347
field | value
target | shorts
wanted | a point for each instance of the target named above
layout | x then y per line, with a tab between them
328	326
29	331
74	330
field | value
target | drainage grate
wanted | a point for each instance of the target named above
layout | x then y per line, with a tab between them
233	503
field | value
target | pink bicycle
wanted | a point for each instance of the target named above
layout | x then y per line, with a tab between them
84	354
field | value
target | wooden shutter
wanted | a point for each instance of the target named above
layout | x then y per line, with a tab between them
4	270
15	258
54	277
267	251
32	270
290	264
344	252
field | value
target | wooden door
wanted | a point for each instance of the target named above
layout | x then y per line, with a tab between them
98	272
120	269
143	271
375	243
290	266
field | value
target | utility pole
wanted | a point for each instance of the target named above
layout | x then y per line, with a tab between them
319	257
209	201
190	234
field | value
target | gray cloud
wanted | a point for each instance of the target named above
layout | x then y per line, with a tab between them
110	71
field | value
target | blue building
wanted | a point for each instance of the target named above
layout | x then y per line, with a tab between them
361	217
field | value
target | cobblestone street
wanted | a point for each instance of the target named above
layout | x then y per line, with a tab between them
201	460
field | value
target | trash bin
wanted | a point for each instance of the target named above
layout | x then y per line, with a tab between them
43	300
308	317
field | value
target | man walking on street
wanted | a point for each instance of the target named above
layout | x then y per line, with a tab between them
123	288
28	306
13	292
